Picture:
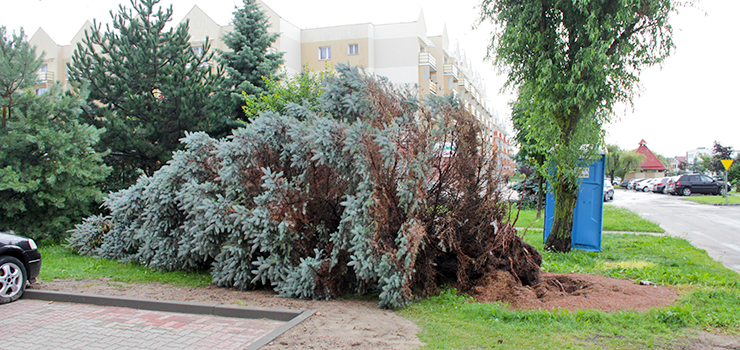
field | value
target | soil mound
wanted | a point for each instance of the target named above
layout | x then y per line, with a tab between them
574	292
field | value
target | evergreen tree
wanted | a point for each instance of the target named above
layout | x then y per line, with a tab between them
18	65
147	87
249	61
49	171
353	199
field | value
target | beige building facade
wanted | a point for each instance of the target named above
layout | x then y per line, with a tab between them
402	52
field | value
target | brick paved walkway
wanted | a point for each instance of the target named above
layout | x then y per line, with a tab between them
35	324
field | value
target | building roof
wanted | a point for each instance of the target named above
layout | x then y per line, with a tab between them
651	161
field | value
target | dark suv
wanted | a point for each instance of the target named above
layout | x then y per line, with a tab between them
685	185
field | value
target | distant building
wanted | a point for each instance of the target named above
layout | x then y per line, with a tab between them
694	156
402	52
652	167
677	164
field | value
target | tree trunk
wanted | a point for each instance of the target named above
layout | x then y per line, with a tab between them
566	196
540	195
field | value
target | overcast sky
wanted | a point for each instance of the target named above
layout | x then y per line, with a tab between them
689	103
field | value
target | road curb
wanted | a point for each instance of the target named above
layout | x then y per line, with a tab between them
291	317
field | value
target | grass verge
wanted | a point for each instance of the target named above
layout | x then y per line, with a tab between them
615	219
710	300
713	199
62	263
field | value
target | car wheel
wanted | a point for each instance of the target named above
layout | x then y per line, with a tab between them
645	189
12	279
721	191
665	190
686	191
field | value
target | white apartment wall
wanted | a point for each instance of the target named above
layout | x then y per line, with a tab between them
201	26
289	42
396	52
353	31
693	155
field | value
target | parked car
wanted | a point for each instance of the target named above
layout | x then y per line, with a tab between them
608	190
631	184
20	262
671	181
685	185
728	185
617	180
643	185
624	183
660	185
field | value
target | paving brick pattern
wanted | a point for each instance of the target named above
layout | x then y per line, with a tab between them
35	324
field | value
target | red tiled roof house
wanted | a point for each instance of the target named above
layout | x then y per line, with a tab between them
652	167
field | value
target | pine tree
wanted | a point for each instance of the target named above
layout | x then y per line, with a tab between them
147	87
50	173
249	60
18	65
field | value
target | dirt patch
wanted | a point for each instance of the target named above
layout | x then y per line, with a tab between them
573	292
359	324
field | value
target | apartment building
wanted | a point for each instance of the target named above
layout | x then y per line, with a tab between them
402	52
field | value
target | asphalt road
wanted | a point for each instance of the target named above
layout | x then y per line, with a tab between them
715	229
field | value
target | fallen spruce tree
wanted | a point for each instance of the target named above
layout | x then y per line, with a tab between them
356	198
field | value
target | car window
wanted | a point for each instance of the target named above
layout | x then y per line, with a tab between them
705	178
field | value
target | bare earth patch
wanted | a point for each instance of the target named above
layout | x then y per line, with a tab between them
575	291
359	324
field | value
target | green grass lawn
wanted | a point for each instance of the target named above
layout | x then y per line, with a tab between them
62	263
713	199
710	297
710	300
615	219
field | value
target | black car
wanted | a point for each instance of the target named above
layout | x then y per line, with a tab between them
20	261
685	185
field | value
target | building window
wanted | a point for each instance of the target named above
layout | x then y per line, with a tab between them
353	49
41	91
198	50
325	53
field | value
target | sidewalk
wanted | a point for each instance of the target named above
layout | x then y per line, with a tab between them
44	324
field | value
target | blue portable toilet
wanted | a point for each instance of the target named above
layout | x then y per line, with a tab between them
588	214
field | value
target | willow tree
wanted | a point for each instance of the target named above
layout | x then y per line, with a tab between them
571	61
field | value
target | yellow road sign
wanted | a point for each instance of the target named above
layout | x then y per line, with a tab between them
727	163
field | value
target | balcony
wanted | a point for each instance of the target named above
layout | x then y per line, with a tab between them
466	85
433	88
44	77
427	59
450	69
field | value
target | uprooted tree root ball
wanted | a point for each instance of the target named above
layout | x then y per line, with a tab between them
376	192
573	292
